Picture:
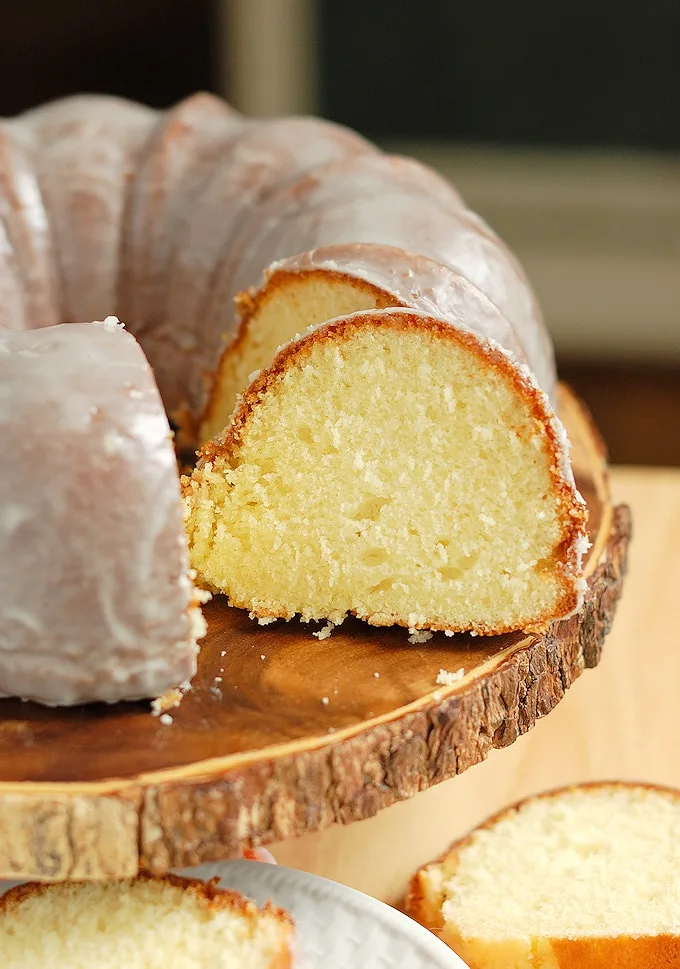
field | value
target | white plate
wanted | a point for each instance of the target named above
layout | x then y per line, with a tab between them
338	927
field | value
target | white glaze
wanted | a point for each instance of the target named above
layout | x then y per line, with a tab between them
85	152
23	214
13	312
407	220
96	597
349	185
199	202
185	145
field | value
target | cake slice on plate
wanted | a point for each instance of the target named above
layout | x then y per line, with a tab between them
145	923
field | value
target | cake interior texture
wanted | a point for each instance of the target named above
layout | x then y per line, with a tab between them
390	472
145	924
595	862
296	302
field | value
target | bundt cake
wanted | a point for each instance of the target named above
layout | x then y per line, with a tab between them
96	602
580	878
144	923
167	220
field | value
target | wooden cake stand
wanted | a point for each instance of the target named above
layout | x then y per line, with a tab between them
284	734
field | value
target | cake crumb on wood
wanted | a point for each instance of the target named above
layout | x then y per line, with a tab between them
445	678
168	701
419	636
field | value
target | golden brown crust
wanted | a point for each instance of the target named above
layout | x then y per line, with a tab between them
574	517
424	904
624	952
621	952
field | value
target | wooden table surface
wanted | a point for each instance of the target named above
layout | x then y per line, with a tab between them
619	721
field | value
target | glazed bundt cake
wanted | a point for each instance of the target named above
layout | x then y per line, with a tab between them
96	602
579	878
146	923
217	238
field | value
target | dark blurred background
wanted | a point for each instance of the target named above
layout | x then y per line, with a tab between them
560	125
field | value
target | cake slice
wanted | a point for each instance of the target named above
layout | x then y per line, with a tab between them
333	281
395	466
146	923
583	877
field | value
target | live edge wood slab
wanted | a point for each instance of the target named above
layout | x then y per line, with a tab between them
284	734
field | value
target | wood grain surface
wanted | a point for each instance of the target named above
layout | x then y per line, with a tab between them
284	734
